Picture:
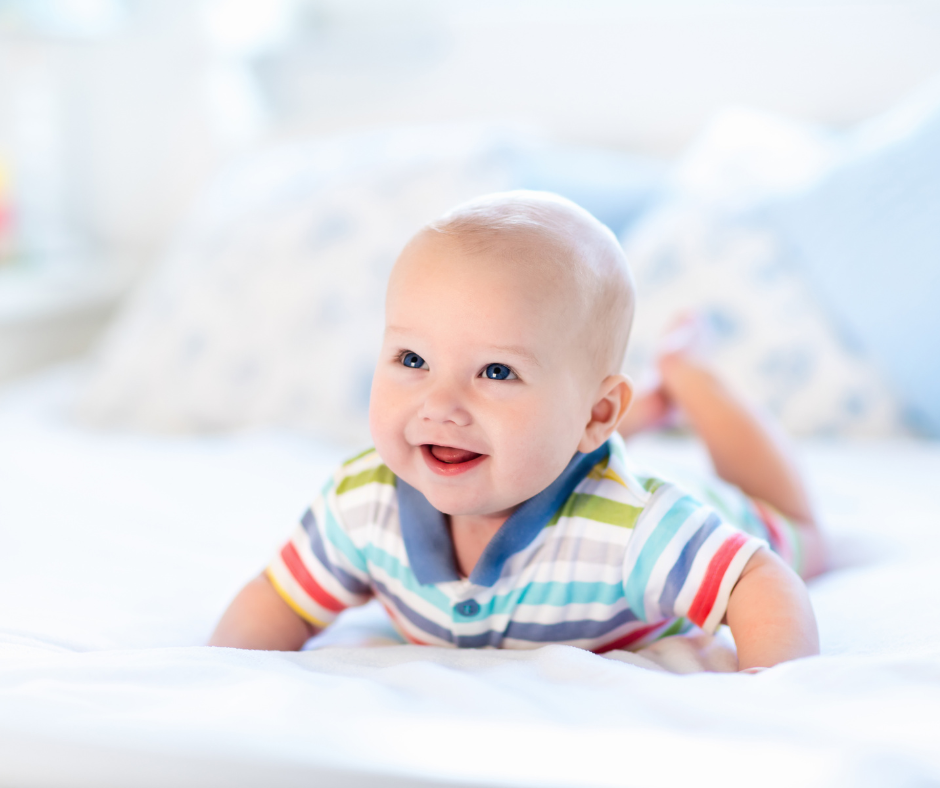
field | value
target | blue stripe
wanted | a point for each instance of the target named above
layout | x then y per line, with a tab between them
402	573
424	624
346	580
568	630
663	532
493	639
559	632
680	571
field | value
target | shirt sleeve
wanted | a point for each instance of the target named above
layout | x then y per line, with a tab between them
683	559
319	572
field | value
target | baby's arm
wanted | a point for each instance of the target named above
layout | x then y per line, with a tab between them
259	618
770	615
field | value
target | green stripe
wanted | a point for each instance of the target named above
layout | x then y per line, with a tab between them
600	509
379	475
359	456
652	484
675	628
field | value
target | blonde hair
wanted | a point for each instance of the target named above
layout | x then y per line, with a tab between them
583	250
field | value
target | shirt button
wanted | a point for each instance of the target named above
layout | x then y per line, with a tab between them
467	608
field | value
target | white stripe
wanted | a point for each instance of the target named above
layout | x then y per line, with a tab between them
667	559
581	611
699	567
366	463
583	527
371	494
406	627
613	491
414	601
319	509
297	595
567	572
320	573
665	497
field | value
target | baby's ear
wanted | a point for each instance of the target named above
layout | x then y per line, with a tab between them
614	396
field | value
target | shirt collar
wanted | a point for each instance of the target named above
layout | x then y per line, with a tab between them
427	539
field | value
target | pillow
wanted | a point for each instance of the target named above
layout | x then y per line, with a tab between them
704	249
268	310
867	239
614	186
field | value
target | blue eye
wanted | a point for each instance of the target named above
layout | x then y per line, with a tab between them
413	360
499	372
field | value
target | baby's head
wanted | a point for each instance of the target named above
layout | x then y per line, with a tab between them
506	324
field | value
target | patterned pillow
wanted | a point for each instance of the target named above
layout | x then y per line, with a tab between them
269	308
705	249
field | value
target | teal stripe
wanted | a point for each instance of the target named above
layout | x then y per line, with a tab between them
663	533
555	594
403	574
338	537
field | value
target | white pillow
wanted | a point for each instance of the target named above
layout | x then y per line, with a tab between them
706	250
269	309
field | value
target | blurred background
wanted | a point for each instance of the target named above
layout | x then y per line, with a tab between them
118	116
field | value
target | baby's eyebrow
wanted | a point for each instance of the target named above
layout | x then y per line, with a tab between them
513	350
516	350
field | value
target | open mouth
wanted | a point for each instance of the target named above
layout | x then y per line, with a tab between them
449	460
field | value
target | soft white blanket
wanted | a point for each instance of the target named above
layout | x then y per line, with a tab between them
119	552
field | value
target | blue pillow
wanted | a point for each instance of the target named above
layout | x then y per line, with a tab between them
868	240
614	186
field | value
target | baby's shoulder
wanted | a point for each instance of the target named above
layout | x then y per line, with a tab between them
360	484
363	470
616	492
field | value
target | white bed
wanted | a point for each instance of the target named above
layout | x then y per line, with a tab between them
118	553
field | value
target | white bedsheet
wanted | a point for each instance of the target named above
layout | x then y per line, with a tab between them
119	552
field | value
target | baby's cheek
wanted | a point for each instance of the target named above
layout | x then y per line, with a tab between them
539	444
385	422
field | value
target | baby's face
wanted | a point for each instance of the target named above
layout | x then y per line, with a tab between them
479	398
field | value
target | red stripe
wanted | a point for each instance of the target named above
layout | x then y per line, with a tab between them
779	540
770	523
306	581
704	600
629	638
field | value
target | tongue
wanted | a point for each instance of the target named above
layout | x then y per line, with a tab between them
450	455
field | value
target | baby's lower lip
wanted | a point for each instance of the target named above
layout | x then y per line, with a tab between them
448	461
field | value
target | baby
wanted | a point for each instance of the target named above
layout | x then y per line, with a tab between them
499	508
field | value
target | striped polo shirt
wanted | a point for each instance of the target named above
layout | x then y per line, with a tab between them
603	558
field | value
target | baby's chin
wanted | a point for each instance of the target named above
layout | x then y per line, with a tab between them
466	503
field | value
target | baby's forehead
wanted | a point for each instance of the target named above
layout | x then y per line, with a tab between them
556	256
535	265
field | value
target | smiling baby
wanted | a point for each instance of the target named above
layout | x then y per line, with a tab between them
499	507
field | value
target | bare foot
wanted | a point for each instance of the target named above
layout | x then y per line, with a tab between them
685	345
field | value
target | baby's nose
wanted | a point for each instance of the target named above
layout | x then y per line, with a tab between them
445	403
